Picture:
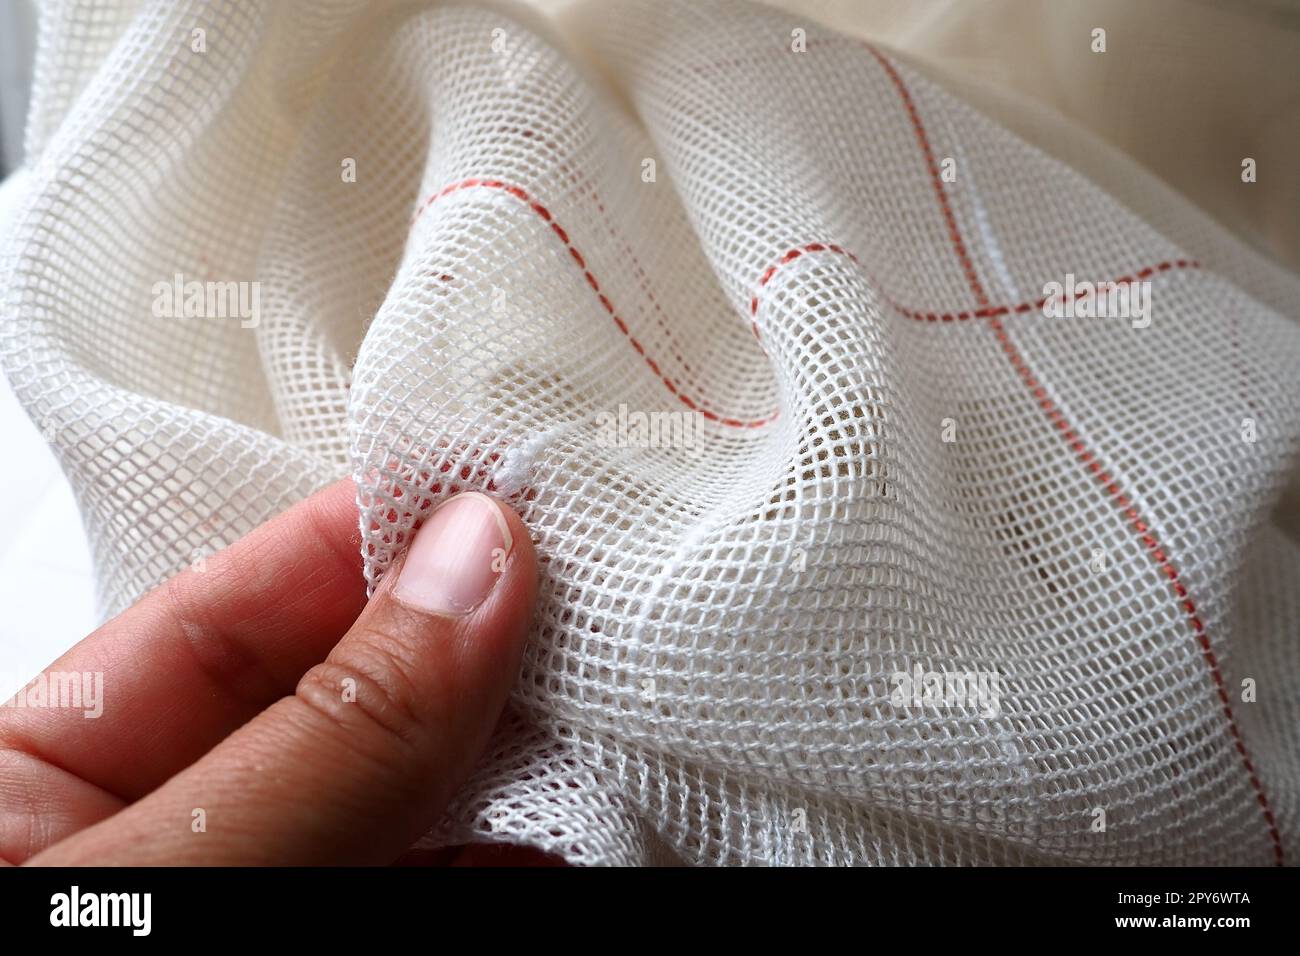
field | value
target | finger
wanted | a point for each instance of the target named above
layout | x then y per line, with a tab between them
360	761
190	662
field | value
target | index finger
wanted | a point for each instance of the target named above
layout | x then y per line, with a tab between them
198	656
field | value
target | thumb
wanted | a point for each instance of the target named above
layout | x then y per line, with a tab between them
365	755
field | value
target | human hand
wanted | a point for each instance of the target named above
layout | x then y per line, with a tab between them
264	697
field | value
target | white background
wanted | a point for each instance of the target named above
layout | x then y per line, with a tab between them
46	581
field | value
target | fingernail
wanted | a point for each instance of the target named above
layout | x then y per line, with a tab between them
456	557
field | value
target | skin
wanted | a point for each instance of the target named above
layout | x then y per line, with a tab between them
222	692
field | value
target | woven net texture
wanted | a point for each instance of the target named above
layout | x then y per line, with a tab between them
473	238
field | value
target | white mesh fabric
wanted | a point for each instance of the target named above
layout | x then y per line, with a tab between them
710	674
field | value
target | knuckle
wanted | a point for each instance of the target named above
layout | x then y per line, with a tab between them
362	696
224	658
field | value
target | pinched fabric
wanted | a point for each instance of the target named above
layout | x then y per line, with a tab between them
471	238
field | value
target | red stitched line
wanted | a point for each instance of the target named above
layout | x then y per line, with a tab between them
790	256
992	312
954	233
1088	458
1157	552
577	256
987	312
580	176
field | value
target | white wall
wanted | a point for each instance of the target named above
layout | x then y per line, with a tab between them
17	45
